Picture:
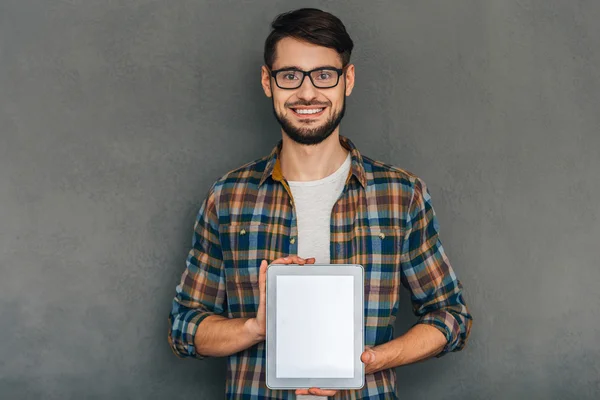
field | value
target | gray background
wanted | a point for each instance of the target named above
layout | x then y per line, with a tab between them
115	118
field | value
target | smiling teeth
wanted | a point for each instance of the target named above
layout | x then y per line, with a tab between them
313	111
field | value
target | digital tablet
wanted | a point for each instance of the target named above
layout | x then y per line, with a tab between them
315	326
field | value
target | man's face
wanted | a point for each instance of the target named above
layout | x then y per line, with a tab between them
292	106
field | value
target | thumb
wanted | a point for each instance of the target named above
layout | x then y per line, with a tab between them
262	273
368	356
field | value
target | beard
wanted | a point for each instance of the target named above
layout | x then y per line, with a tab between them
310	136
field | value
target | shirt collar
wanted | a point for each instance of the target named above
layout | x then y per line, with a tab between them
273	167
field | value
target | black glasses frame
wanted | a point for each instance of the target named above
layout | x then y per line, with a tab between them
340	72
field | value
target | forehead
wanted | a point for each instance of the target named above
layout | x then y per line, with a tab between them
293	52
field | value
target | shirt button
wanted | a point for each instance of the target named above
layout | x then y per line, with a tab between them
382	235
243	232
293	240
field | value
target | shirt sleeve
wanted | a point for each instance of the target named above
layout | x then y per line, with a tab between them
436	292
201	291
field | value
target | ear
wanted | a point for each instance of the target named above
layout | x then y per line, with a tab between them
265	81
349	77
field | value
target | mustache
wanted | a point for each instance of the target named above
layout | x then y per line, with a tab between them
307	103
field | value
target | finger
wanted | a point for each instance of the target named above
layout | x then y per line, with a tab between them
321	392
286	260
282	260
367	357
290	260
262	272
310	260
264	264
302	391
262	275
298	260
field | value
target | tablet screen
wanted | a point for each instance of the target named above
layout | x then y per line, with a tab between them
315	326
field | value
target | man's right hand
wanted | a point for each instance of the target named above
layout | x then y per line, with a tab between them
258	326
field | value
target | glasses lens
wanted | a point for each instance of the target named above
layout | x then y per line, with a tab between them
324	78
289	79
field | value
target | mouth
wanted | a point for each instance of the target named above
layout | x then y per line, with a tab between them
308	112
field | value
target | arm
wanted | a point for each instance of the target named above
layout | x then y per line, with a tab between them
444	321
196	328
421	342
436	293
221	336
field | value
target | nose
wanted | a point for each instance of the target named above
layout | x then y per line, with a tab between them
307	91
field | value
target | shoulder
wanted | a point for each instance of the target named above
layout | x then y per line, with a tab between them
237	183
245	175
396	186
381	173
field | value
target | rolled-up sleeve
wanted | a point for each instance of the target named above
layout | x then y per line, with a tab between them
436	292
201	291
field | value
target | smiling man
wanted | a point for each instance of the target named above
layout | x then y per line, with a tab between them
315	198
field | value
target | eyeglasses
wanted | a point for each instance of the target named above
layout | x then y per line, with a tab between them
292	78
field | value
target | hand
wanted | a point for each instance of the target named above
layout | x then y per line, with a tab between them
372	360
370	357
258	325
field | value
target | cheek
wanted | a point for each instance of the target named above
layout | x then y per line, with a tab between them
283	110
279	105
335	107
337	102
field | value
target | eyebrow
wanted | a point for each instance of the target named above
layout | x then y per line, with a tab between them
298	68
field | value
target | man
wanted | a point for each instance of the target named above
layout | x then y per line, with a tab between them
315	198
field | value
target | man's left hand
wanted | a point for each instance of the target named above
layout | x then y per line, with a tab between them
369	357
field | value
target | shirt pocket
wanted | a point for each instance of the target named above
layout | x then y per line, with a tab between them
379	251
243	248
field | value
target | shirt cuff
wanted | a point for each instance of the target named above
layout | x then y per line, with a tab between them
183	331
445	322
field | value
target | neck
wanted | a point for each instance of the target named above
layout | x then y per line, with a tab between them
308	163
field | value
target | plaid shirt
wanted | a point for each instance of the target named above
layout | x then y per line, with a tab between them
383	220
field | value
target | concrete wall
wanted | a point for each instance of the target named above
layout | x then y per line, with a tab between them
115	118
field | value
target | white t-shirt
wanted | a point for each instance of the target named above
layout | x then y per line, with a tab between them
313	202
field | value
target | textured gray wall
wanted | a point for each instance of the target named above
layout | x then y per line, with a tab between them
115	117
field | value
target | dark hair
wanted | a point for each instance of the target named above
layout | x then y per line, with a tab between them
310	25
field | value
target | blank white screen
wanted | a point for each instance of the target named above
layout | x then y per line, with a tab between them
315	327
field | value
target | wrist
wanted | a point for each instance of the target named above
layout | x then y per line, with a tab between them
253	330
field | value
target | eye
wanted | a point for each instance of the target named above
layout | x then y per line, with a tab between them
289	76
325	75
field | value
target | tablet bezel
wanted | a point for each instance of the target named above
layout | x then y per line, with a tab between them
354	270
